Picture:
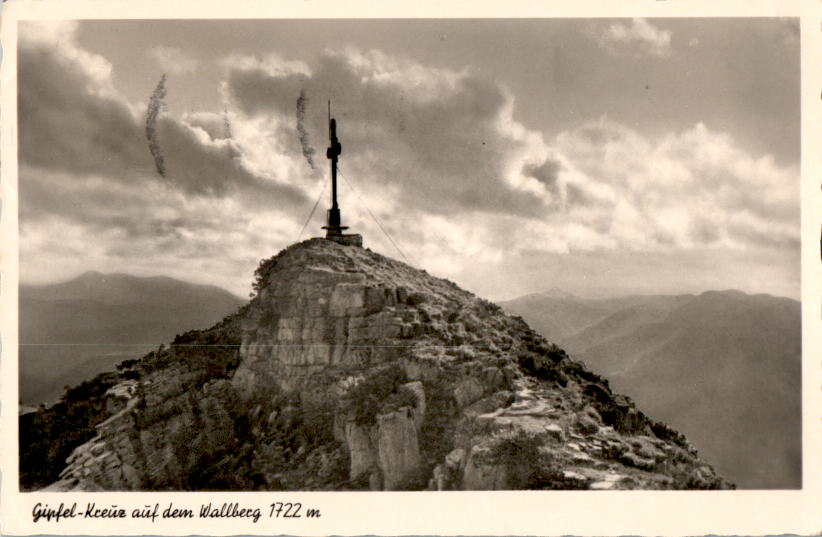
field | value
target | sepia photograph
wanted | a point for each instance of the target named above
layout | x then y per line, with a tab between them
387	254
400	255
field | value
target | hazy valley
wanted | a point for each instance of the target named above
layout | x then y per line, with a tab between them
724	367
71	331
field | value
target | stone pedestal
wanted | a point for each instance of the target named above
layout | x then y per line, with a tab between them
348	239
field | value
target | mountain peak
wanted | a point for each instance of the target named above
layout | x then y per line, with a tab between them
120	288
732	293
350	370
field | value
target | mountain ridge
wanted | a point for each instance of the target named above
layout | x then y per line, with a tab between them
95	285
349	370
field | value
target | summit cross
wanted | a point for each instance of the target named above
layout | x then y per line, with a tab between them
334	228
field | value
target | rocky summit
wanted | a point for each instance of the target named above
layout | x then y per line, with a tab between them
352	371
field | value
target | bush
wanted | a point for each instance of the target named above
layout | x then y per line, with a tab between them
436	436
403	397
542	366
585	424
529	468
520	456
366	399
317	422
666	434
47	437
262	272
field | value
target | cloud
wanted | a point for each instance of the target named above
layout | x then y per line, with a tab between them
546	173
439	155
271	63
444	139
212	123
640	38
688	189
436	154
70	114
173	60
73	121
81	224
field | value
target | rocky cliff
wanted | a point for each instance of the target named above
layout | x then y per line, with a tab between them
349	370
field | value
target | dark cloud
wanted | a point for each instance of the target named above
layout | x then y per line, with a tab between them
183	246
546	173
198	168
437	141
103	206
69	124
565	194
65	125
255	91
45	195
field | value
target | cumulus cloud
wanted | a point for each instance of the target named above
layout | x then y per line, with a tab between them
73	121
687	189
70	115
639	38
216	126
444	139
173	60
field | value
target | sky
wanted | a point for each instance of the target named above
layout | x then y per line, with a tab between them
601	157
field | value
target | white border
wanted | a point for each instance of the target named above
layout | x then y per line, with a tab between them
444	513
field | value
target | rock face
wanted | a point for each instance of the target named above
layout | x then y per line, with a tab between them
348	371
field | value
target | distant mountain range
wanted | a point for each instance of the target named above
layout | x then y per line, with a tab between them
723	367
73	330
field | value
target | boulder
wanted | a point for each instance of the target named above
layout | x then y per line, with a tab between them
481	473
555	431
361	450
399	454
467	391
